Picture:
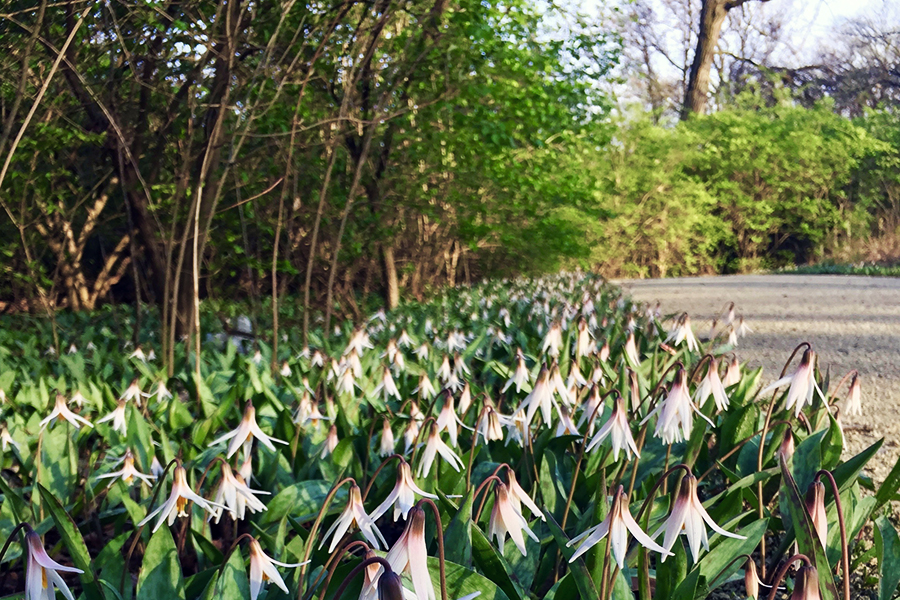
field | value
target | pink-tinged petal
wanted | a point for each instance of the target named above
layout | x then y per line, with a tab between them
776	384
639	534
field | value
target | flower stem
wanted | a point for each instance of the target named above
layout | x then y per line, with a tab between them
311	540
845	550
440	539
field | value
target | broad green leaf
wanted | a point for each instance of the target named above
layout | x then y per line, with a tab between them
160	575
887	549
579	570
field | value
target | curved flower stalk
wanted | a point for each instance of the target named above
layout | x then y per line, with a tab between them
619	432
403	496
506	518
802	384
61	412
42	572
128	473
675	412
244	434
177	502
354	515
688	516
618	524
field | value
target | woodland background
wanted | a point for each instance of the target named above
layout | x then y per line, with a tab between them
342	154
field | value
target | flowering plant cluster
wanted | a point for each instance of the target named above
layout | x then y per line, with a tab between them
521	439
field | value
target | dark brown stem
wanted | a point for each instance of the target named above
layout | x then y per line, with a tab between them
483	498
739	446
658	483
377	471
779	575
845	550
311	540
440	540
357	570
333	562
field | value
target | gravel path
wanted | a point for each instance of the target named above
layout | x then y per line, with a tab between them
852	323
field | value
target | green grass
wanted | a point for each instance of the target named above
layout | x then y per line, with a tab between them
827	268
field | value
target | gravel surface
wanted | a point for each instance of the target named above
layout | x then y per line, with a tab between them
852	323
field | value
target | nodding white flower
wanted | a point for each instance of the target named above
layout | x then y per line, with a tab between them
244	434
236	496
681	332
422	351
156	469
410	435
631	352
403	496
434	446
151	355
732	337
133	392
585	342
410	555
488	425
352	359
854	400
733	373
177	502
78	399
72	349
128	473
727	317
386	446
520	375
42	572
575	379
404	340
51	351
286	369
519	496
6	439
346	382
541	396
387	385
506	519
358	343
815	506
565	426
162	392
448	421
712	386
354	515
262	569
456	341
802	384
138	354
618	430
330	443
617	524
604	351
465	399
61	411
425	389
304	352
688	515
553	340
318	359
257	358
742	329
117	416
590	409
675	412
445	372
517	429
308	411
751	580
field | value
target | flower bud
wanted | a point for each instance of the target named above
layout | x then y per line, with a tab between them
786	450
806	584
751	580
815	506
390	586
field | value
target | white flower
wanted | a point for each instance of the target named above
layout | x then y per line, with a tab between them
675	412
802	384
585	342
162	392
138	354
682	332
506	519
133	392
245	432
422	351
403	496
565	426
286	369
118	418
519	496
488	425
854	400
712	385
236	496
262	569
541	396
331	442
6	439
387	384
410	435
61	411
257	358
618	430
815	506
42	572
465	399
553	340
447	420
631	352
358	343
425	389
733	374
404	340
688	516
346	382
386	446
617	525
128	473
354	515
433	447
520	375
175	505
72	349
318	359
410	554
445	372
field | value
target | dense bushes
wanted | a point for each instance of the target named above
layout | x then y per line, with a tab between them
748	187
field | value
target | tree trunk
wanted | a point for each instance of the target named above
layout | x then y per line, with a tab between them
712	16
392	291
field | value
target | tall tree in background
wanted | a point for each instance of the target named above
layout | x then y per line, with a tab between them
712	16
